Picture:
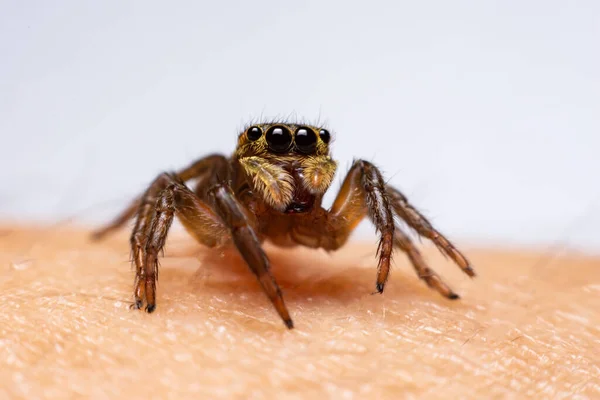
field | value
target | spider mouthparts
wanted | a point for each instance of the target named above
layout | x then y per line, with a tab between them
297	208
303	202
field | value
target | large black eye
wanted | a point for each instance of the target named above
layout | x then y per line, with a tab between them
279	139
306	140
325	136
254	133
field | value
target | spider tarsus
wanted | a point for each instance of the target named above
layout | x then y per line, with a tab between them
136	305
150	308
470	271
289	323
453	296
379	287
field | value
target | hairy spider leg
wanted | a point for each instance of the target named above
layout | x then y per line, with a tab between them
433	280
244	237
211	227
166	195
362	194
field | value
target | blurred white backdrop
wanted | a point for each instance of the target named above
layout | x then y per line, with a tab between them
485	113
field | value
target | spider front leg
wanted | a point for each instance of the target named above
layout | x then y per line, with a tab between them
244	237
167	196
363	193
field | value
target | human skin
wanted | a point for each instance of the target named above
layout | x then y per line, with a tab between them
527	327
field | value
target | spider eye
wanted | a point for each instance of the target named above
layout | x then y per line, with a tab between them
279	139
254	133
325	136
306	140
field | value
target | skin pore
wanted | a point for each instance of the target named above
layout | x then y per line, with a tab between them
522	328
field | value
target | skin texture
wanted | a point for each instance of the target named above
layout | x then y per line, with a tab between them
527	327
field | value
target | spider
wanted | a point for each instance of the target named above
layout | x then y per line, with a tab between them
272	188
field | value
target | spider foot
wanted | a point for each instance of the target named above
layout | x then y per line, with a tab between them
136	305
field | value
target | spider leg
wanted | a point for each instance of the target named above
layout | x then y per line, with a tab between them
433	280
362	193
214	164
423	227
219	172
245	239
165	197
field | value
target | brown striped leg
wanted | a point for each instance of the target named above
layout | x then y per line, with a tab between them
139	234
248	244
423	227
166	197
204	169
363	193
433	280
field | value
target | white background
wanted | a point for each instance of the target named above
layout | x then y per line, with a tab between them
485	113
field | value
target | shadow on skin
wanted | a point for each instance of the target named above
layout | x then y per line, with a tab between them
301	273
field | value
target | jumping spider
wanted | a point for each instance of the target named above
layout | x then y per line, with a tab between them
272	188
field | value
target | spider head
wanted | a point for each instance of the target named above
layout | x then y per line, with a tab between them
288	164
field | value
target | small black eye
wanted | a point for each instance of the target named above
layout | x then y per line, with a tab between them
306	140
325	136
254	133
279	139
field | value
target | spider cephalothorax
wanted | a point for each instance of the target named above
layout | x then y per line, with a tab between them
272	188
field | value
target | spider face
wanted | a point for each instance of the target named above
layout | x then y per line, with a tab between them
288	165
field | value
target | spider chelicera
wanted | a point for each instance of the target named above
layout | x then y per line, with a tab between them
272	188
